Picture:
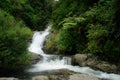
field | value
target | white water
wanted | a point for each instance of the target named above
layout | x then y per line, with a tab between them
53	62
37	42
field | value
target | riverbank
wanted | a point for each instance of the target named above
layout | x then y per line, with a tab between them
89	60
95	62
61	74
55	67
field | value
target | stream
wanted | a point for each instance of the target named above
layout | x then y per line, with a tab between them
54	62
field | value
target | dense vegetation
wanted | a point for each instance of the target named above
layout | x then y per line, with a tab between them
34	13
17	19
79	26
14	36
89	26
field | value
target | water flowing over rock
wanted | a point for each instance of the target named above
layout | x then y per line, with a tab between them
94	62
55	62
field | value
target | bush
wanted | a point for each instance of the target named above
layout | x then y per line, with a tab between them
70	36
102	31
14	39
96	35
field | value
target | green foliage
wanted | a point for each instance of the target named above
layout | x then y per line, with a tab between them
72	22
66	40
69	8
13	42
69	37
97	31
101	31
50	44
96	35
88	26
34	13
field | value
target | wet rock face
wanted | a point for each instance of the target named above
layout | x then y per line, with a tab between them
94	62
82	77
9	79
35	57
64	74
79	59
40	78
103	66
58	77
66	77
61	74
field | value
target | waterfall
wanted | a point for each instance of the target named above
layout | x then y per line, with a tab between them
37	42
53	62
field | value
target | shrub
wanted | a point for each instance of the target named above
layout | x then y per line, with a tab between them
13	42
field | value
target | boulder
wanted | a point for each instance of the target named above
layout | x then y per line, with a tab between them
103	66
95	63
62	72
35	58
40	78
8	78
58	77
79	59
82	77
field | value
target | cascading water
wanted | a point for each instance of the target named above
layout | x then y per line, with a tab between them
37	42
54	62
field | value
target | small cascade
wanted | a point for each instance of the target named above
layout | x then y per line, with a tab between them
38	41
67	60
54	62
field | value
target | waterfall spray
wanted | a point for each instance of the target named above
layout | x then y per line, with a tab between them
53	62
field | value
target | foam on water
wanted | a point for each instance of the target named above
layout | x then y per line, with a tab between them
37	42
48	63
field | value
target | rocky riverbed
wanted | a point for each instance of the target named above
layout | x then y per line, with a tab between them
59	69
62	74
95	63
65	74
